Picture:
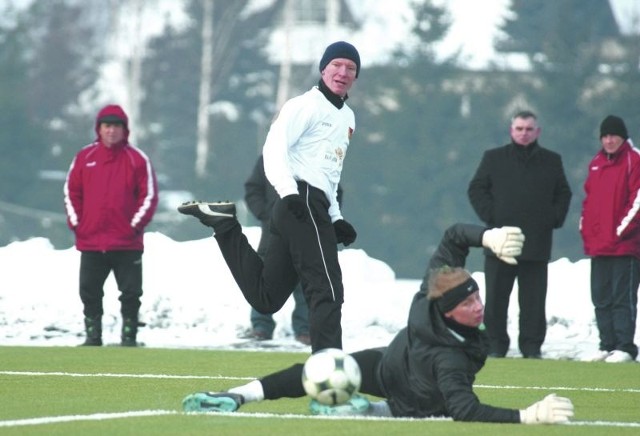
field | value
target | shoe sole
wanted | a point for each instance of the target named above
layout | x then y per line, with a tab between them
203	208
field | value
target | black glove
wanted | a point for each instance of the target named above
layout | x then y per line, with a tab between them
296	206
345	233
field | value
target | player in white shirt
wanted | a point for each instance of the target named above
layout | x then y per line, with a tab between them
303	158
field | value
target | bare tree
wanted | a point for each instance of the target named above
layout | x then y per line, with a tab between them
284	79
204	96
333	15
217	60
125	27
134	76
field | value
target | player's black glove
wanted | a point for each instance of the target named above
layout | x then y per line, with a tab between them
296	206
345	233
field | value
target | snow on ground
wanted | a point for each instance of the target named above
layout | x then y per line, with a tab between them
191	300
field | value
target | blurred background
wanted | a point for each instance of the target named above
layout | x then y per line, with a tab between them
202	79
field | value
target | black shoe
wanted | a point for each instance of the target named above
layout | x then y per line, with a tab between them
92	342
93	329
532	355
258	335
129	332
209	214
304	338
128	342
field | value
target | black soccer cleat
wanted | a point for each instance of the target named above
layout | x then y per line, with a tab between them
212	402
209	214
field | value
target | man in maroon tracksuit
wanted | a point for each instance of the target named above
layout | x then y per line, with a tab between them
110	196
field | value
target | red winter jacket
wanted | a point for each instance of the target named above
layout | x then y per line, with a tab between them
110	194
610	221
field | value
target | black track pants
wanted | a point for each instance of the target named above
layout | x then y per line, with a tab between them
95	267
298	251
288	382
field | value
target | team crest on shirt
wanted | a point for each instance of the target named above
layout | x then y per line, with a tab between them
339	154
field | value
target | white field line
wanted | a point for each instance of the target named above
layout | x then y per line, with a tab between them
91	417
161	376
389	419
142	413
221	377
560	388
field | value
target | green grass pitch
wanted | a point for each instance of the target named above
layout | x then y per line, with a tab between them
136	391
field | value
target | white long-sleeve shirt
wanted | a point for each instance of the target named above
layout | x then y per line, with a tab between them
308	142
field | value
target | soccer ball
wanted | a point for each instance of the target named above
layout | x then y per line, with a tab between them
331	376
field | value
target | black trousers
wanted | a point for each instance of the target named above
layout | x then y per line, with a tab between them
532	296
305	252
288	382
614	293
300	315
95	267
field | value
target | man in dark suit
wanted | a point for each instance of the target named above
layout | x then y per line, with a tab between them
520	184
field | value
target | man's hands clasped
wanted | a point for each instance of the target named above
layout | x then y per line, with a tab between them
506	242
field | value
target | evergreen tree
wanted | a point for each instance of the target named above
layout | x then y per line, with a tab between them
421	123
564	43
243	90
404	176
22	139
44	67
622	99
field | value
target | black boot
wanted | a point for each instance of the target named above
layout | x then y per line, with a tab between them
129	332
93	329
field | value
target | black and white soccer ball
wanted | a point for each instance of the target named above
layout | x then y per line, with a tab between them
331	376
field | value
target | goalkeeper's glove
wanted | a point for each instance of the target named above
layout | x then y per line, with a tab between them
550	410
506	242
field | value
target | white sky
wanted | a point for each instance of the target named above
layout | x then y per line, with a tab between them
386	24
389	23
474	26
191	300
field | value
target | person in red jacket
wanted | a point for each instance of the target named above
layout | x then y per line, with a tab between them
110	196
610	229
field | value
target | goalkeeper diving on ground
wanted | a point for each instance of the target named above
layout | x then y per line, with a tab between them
429	368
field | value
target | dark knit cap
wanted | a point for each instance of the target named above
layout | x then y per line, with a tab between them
340	49
613	125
